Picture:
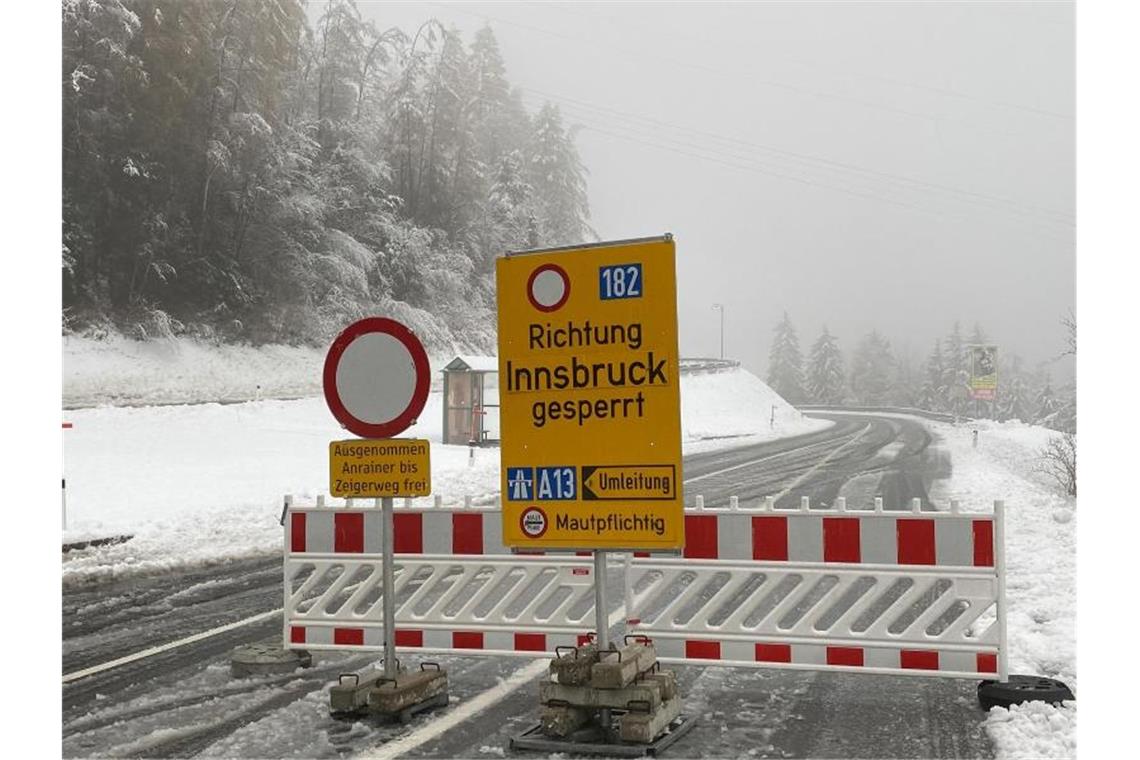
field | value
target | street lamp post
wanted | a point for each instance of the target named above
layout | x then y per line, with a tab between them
720	307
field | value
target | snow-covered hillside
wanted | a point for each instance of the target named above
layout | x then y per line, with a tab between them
717	407
118	371
202	483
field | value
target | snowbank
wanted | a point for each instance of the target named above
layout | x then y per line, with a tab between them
123	371
717	407
1041	577
204	483
120	371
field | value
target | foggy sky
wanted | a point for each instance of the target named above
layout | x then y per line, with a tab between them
860	165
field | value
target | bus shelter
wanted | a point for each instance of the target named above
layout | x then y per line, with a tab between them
471	400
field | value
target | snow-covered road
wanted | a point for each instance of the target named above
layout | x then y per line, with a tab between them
200	489
184	703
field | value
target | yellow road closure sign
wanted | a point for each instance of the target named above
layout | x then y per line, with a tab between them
590	397
373	469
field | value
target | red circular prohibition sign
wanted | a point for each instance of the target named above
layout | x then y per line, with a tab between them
411	413
565	287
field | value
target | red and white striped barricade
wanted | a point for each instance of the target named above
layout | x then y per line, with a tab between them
457	588
912	593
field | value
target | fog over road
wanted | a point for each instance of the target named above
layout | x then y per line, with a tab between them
182	701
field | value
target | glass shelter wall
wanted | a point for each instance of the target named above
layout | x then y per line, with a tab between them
471	405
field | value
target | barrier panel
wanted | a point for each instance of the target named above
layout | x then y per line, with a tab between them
917	593
914	593
456	588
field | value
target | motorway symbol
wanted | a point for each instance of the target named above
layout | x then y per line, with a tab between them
520	483
629	482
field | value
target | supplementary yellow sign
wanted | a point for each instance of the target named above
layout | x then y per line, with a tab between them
373	469
590	397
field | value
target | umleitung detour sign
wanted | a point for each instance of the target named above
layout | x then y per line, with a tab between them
590	395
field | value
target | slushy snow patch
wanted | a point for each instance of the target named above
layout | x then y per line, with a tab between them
1040	550
1034	730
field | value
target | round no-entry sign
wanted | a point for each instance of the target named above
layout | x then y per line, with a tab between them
376	378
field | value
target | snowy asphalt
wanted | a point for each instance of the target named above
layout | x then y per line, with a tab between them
182	702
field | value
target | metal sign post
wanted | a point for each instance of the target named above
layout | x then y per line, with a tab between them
376	381
601	618
389	570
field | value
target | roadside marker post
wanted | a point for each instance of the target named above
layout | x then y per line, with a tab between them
66	426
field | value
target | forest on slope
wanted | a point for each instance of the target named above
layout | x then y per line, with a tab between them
233	172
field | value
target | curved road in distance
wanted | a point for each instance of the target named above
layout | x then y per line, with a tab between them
182	703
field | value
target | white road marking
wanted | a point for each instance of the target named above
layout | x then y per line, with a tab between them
756	461
472	707
68	677
820	463
483	700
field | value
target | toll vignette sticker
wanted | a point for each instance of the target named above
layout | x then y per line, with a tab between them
590	398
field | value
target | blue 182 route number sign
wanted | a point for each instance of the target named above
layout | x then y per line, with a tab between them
620	281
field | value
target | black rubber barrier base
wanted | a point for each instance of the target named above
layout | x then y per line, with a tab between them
533	739
1021	689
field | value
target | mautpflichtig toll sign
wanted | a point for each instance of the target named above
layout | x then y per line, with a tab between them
376	382
590	397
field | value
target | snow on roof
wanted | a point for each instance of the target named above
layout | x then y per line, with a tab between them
473	363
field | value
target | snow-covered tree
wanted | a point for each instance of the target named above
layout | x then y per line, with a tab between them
933	394
1045	404
1015	396
558	176
978	337
826	377
513	217
956	372
907	388
234	168
1015	402
872	371
785	362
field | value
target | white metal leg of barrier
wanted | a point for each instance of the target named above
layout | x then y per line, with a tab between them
999	562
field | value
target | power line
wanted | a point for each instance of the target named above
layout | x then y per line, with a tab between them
944	91
828	186
603	112
711	70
